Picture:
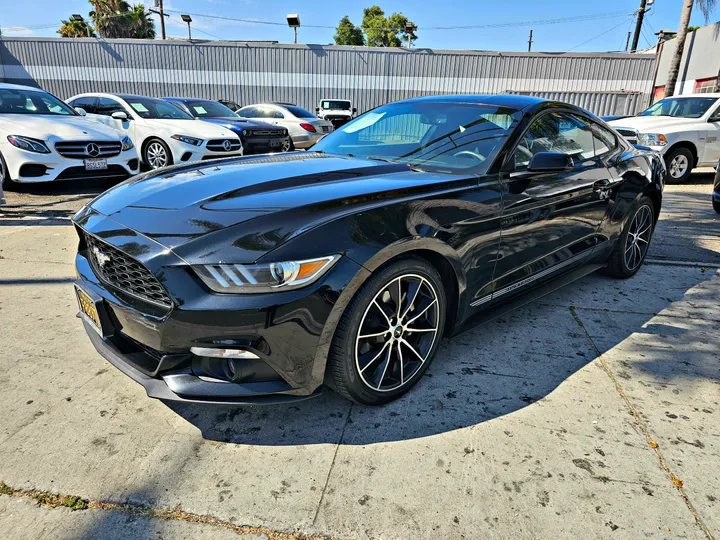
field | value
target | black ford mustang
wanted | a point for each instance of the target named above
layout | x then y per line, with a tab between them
258	279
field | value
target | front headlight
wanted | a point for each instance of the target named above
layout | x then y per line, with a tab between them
651	139
26	143
127	144
264	278
187	139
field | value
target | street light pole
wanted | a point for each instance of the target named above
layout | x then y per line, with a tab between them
188	20
530	42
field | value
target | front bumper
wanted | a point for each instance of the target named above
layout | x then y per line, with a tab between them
187	153
283	329
30	167
263	145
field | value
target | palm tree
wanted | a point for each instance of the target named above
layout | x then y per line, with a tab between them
141	23
706	7
111	18
74	29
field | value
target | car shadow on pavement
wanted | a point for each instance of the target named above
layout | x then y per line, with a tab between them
491	371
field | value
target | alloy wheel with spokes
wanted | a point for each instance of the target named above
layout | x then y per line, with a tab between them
678	166
156	155
388	333
397	333
286	145
638	237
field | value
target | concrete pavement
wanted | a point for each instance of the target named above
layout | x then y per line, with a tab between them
592	413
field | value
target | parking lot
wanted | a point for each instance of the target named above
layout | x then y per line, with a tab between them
592	413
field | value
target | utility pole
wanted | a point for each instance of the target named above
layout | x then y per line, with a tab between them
162	18
627	42
638	25
530	42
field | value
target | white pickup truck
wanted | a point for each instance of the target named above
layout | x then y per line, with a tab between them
684	129
337	111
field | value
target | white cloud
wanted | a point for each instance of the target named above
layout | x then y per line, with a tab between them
17	31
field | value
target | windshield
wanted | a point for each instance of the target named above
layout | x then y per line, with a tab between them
335	104
208	109
18	101
298	112
433	136
156	108
693	107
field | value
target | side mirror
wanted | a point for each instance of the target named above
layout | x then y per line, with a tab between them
317	109
354	110
550	161
715	118
119	115
81	111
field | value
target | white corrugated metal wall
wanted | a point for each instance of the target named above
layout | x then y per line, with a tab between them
304	74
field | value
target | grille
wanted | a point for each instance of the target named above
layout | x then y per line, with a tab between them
218	145
80	150
266	132
115	172
629	134
125	273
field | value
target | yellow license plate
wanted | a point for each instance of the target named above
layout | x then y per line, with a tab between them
88	310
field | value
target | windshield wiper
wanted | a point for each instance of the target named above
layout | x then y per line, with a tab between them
388	160
333	153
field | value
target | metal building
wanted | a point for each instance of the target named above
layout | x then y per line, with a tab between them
606	83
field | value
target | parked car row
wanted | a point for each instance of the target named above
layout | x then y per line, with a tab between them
103	135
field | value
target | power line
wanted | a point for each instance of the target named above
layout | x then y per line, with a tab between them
562	20
599	35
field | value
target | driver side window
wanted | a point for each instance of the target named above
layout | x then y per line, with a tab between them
554	132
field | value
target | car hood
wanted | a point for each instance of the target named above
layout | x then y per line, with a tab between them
237	210
54	127
650	124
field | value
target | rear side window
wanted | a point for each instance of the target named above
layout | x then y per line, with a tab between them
298	112
248	112
604	139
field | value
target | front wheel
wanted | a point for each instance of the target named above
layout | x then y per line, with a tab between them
6	182
389	333
157	154
632	246
679	163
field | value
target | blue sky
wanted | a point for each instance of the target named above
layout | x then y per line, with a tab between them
32	18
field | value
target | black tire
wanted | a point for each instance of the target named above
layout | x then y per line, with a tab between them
417	281
622	263
685	156
6	182
148	160
716	206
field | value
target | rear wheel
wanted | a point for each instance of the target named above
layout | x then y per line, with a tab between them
679	163
389	333
156	154
632	246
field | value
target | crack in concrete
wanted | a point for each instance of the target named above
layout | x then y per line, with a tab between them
332	464
643	427
76	503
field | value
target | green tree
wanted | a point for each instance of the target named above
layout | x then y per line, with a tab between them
141	23
72	29
347	33
382	31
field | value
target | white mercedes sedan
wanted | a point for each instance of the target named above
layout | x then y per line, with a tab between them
163	134
43	140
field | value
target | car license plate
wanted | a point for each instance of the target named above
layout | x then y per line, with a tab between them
275	142
326	129
88	310
95	164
